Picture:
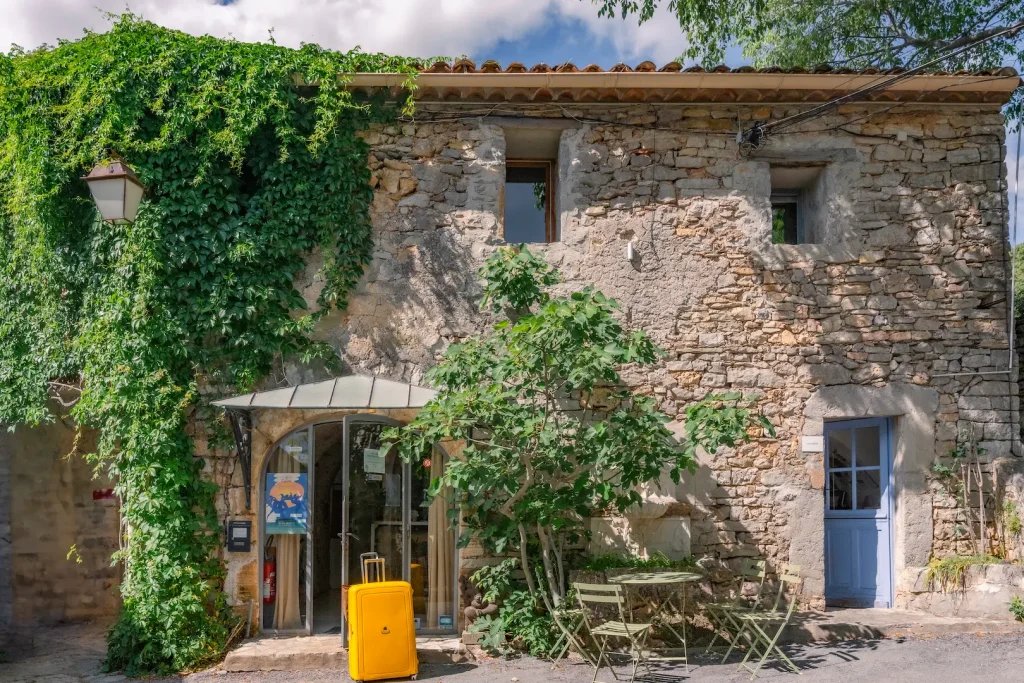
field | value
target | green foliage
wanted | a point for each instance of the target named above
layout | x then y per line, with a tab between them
1011	518
778	226
1017	608
551	433
950	573
618	561
246	174
855	34
522	622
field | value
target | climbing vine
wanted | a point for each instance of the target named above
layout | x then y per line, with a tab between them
248	169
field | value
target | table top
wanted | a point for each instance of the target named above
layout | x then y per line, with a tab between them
656	578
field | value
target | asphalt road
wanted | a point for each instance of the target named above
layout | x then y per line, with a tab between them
960	659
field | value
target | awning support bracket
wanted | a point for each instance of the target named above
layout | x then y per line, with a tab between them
241	425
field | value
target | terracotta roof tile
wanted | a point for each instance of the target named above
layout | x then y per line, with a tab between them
492	66
646	82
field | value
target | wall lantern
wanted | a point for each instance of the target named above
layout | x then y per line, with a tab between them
116	190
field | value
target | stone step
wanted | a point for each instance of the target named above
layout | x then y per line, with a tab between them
300	653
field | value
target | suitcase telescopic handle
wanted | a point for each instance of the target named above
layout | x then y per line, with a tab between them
372	563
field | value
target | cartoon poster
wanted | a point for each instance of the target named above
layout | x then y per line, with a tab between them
287	506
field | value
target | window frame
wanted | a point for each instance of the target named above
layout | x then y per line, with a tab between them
550	228
784	199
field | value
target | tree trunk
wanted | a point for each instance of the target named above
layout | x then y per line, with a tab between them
549	573
523	558
559	563
965	478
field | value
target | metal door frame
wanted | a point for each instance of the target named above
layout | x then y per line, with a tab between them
262	536
886	459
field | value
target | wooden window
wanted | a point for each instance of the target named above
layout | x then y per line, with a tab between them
529	202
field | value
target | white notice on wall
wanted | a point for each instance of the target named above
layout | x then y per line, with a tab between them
813	444
373	461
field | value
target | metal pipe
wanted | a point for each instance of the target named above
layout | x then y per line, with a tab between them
962	374
1013	255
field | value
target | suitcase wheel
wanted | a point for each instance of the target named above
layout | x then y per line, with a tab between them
414	677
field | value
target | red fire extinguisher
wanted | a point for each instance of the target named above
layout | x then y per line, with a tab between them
269	579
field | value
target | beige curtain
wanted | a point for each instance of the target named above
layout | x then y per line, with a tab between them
286	611
441	552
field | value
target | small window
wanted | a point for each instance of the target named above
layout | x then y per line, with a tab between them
529	205
785	217
797	198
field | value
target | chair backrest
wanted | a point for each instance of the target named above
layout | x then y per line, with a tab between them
600	594
789	582
752	571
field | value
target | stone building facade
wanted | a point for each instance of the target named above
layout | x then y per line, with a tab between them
893	306
58	529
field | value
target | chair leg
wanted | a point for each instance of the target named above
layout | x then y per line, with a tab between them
571	640
717	624
770	645
740	633
603	655
778	650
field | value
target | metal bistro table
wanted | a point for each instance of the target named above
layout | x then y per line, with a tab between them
640	580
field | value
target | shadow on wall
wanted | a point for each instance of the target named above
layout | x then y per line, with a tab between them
418	295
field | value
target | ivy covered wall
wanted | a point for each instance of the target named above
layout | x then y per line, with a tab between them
246	174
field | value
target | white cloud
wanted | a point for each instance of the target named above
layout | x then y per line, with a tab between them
411	27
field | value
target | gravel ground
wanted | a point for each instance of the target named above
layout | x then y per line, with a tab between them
73	654
991	659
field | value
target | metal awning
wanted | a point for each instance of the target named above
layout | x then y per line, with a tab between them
353	391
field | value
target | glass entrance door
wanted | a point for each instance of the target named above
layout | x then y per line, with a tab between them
387	512
375	509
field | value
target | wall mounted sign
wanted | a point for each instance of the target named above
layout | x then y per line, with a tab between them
373	461
239	536
813	444
287	507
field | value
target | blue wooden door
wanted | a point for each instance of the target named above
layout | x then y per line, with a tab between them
858	564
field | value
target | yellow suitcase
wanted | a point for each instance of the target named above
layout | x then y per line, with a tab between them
381	631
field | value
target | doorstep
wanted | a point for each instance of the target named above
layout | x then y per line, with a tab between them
851	624
298	653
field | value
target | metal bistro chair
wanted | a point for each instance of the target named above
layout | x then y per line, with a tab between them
762	628
569	622
723	615
636	634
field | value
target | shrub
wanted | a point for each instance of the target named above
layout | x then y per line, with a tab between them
950	573
620	561
1017	608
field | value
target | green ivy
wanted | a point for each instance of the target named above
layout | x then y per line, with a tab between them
248	170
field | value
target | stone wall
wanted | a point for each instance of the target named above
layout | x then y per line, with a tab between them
55	502
908	288
986	593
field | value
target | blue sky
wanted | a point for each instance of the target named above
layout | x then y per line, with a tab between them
530	31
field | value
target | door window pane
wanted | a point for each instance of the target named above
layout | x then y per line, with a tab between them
840	490
375	502
869	490
840	449
286	519
433	547
869	444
